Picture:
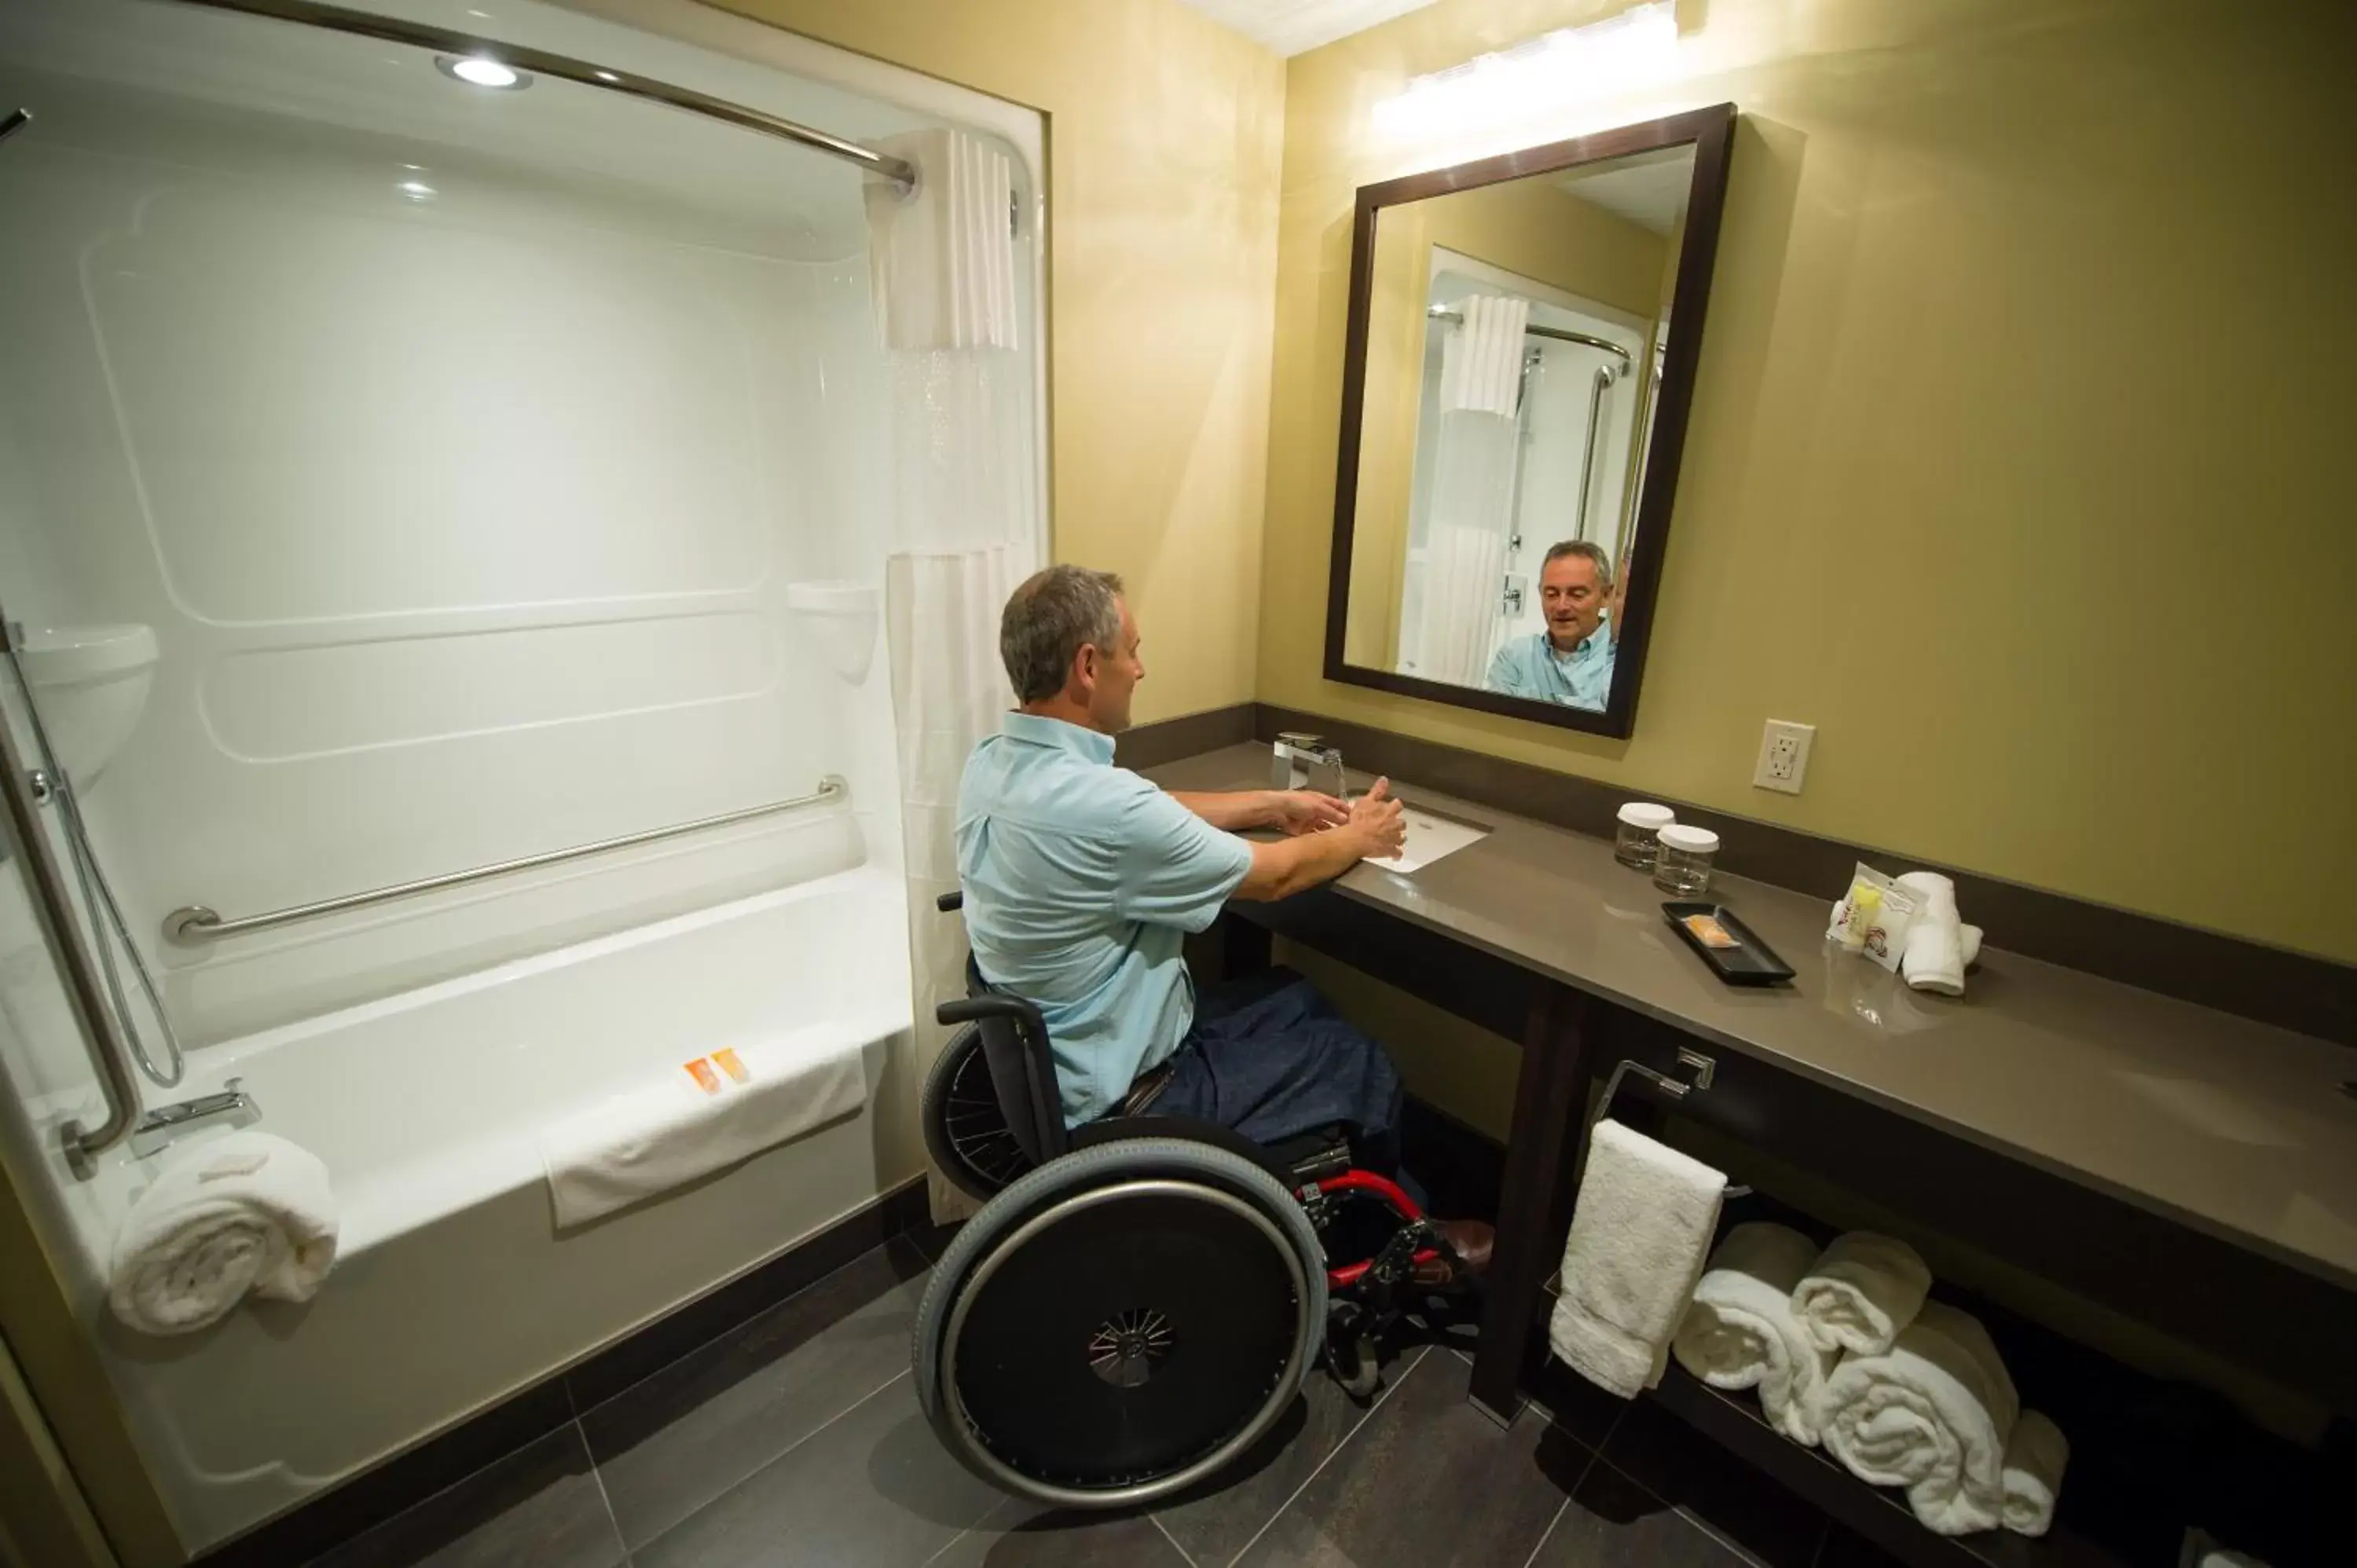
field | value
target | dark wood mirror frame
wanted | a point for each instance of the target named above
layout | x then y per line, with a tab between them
1710	131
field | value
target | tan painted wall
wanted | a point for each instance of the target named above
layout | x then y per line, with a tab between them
2025	368
1163	131
1529	227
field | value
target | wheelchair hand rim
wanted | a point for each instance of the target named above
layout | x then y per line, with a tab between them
1160	1486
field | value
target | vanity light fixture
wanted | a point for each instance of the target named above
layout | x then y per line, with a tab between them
481	70
1633	51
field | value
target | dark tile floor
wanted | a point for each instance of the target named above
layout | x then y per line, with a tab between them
796	1439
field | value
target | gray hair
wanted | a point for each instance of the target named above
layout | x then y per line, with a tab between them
1594	554
1048	620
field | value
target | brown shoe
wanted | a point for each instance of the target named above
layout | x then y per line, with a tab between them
1470	1239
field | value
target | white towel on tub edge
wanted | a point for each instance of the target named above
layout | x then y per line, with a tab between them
250	1211
664	1132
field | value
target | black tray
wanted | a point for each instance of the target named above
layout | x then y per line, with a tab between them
1751	962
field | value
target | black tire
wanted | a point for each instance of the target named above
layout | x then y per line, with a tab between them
1133	1317
965	1132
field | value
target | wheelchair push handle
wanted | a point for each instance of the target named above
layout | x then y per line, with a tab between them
971	1009
951	903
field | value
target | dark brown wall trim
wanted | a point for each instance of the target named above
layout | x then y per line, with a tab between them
2274	985
1168	740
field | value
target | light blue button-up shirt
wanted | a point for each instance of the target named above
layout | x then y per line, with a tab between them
1529	666
1080	879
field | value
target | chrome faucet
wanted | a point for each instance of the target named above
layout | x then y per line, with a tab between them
167	1124
1303	761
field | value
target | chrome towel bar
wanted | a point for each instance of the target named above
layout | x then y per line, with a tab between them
1704	1070
196	923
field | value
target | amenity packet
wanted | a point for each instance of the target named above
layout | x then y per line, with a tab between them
1873	917
1886	934
1855	915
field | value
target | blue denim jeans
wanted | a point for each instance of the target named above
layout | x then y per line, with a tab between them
1270	1058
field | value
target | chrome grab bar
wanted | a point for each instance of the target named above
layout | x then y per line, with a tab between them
85	993
565	68
197	923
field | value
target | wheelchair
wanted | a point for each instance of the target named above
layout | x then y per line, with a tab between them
1140	1299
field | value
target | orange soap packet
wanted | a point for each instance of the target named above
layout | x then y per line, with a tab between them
1709	932
730	1065
706	1079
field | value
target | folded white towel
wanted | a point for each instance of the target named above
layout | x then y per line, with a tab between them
1934	959
664	1131
1931	1414
2035	1455
1861	1293
1642	1225
250	1211
1740	1332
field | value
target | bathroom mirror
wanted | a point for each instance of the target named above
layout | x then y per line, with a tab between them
1521	353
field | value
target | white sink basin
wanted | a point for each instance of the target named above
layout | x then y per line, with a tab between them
1430	836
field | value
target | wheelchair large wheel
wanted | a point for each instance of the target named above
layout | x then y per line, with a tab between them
1120	1324
965	1132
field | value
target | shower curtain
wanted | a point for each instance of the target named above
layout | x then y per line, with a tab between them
1473	495
942	272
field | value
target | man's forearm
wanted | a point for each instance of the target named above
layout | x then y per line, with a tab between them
1294	866
1233	810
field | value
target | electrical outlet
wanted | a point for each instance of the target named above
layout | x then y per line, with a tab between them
1783	757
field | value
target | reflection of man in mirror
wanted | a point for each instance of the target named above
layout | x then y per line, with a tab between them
1570	661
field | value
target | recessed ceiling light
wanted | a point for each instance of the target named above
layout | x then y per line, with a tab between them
416	190
480	71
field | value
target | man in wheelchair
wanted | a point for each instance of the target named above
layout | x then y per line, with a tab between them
1081	880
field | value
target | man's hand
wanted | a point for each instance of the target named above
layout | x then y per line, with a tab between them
1299	812
1373	826
1378	816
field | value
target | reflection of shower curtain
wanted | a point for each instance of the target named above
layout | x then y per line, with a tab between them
1465	554
963	535
1472	496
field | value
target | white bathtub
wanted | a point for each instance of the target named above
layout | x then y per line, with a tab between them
452	1288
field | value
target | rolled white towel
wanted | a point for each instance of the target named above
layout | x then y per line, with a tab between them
1932	1414
1934	959
1638	1235
250	1211
1860	1294
2035	1455
1740	1332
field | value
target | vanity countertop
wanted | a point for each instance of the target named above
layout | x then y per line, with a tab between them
2236	1128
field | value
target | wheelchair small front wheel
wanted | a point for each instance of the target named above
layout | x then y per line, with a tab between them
1120	1324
